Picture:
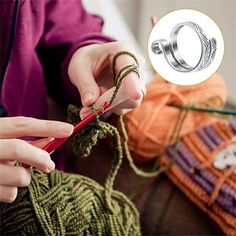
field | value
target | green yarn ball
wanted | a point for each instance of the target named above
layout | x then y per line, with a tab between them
68	204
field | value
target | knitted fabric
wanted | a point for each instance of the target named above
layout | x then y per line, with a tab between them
194	171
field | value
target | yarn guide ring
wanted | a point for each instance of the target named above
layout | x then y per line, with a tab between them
171	52
185	47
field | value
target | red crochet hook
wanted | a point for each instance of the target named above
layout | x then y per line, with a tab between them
56	143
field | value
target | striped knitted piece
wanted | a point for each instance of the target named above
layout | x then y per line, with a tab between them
196	172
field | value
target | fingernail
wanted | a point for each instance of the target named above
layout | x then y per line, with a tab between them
87	98
51	166
67	129
50	139
136	95
84	114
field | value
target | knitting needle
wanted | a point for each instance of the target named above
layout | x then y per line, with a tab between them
57	142
207	109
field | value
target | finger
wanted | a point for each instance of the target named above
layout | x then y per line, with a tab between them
123	111
154	20
120	109
132	81
126	106
123	60
40	143
132	86
16	149
8	193
143	78
85	111
14	127
122	101
81	75
7	162
14	176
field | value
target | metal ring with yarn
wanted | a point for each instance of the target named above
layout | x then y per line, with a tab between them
171	51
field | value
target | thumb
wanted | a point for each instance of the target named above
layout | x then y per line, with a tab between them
89	91
87	86
82	77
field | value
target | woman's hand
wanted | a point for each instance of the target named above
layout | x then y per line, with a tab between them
90	70
13	149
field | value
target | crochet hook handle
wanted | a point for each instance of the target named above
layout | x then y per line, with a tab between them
56	143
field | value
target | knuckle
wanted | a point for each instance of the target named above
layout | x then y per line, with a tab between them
48	125
23	178
11	195
18	148
84	87
21	123
52	126
43	162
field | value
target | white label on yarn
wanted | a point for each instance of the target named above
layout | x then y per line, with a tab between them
226	158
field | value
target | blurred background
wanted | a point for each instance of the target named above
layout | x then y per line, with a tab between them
129	20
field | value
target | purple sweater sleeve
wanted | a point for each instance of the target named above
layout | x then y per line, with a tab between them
67	27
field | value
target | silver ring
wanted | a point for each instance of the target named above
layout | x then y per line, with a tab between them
171	51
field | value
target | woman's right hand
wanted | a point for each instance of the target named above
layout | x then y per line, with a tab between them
13	149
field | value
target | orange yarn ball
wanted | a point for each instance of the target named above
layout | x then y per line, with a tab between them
151	125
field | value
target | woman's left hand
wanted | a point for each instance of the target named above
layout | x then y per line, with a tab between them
90	70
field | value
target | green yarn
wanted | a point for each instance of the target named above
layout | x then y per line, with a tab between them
207	109
120	77
73	114
88	137
68	204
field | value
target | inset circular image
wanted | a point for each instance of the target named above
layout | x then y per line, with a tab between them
186	47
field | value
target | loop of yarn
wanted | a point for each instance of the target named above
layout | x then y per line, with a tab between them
120	54
118	78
